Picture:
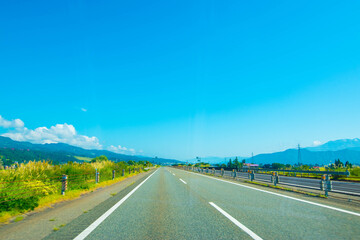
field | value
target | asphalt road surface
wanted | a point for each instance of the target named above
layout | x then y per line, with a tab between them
176	204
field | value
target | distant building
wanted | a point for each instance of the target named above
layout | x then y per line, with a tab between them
248	165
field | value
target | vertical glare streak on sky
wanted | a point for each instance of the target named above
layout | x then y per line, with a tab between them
181	78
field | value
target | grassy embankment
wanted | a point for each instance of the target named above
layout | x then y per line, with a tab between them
37	185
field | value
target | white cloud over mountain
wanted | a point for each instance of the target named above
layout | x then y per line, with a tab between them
60	133
122	150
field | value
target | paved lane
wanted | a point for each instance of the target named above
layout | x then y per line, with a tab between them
175	204
272	216
164	207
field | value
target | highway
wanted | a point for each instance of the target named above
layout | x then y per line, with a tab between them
175	204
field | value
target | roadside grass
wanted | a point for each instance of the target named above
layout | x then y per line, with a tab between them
287	189
18	218
58	227
48	201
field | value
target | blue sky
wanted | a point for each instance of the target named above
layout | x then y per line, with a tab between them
181	79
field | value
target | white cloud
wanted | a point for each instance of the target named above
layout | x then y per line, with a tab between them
84	109
60	133
316	143
122	150
17	123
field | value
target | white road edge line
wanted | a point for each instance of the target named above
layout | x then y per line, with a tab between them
97	222
182	181
236	222
281	195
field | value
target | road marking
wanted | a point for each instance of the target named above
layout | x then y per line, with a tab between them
182	181
236	222
173	174
97	222
281	195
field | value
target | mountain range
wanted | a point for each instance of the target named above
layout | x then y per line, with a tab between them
343	149
61	152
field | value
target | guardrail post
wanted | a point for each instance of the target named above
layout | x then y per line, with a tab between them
123	172
234	173
214	171
63	184
113	174
251	175
129	170
97	176
328	185
322	182
275	178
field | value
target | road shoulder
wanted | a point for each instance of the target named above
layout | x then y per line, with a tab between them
38	225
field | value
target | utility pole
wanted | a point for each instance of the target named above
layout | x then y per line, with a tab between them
299	156
252	157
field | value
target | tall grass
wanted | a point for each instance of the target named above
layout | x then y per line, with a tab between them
23	187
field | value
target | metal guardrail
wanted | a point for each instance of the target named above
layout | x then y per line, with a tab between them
347	173
324	184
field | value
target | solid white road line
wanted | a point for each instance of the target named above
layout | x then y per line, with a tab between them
91	228
182	181
281	195
236	222
173	174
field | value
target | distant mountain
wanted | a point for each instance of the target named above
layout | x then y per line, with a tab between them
65	152
290	156
343	149
353	144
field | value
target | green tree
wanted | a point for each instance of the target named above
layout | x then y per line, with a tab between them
237	164
338	163
230	165
101	158
131	162
277	165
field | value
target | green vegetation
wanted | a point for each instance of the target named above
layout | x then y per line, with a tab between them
85	159
10	156
28	186
103	158
18	218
